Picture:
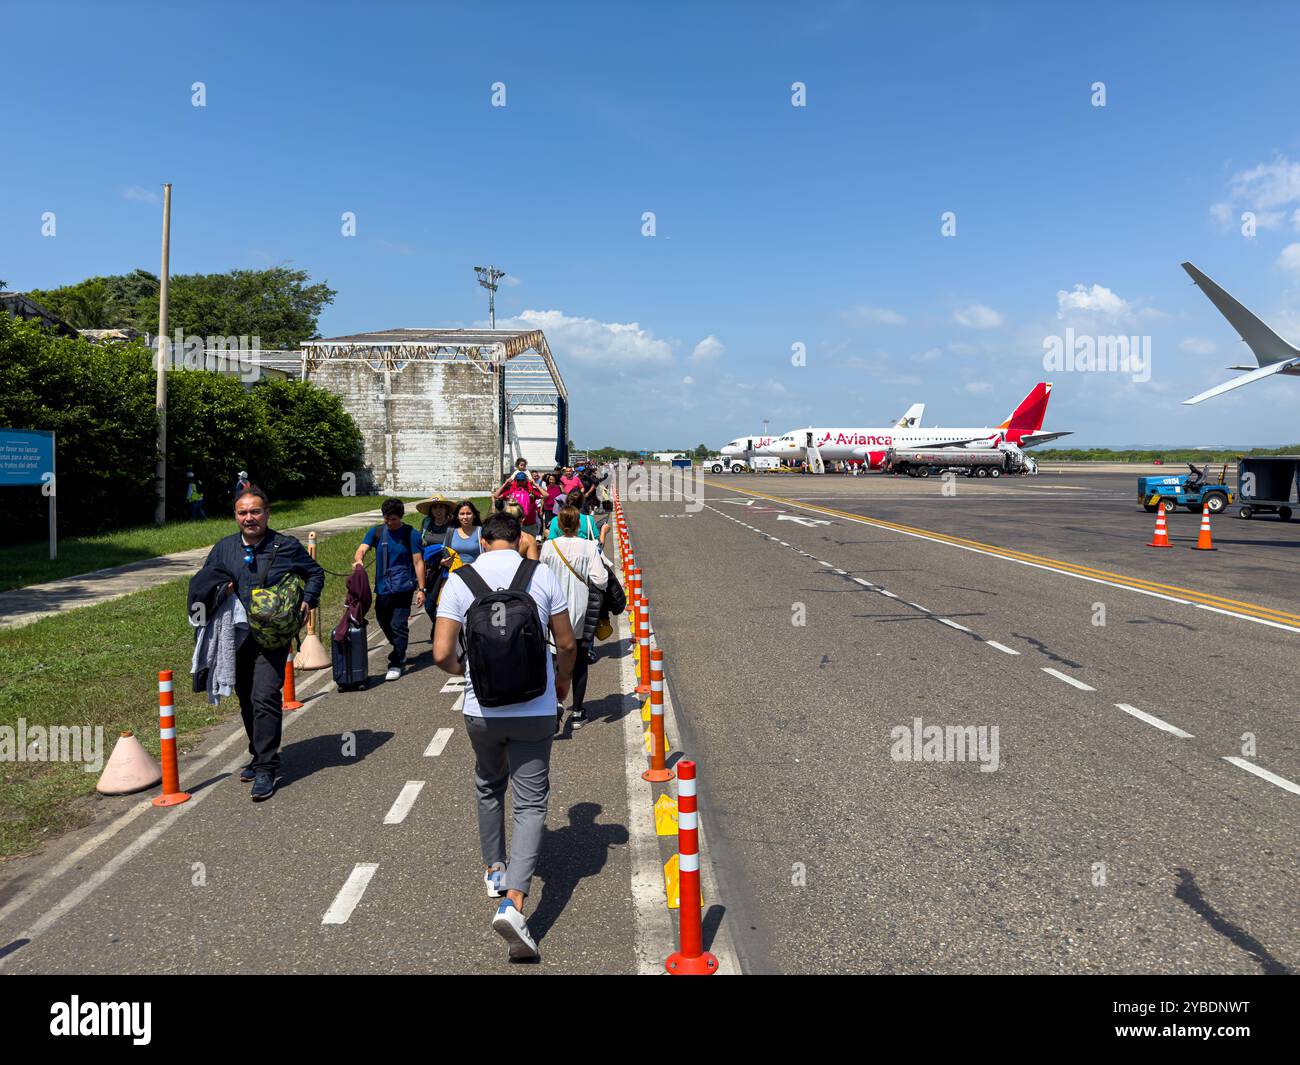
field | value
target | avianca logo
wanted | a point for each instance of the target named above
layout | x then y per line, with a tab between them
855	440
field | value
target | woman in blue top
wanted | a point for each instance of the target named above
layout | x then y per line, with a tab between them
465	535
588	527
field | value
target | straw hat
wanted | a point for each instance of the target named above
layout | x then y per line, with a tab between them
426	505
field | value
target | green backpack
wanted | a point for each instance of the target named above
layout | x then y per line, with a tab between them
275	614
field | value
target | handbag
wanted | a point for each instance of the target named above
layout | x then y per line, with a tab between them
615	598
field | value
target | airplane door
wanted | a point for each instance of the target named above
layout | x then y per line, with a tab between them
808	439
749	445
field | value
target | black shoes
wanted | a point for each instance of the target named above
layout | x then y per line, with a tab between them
578	718
247	774
263	786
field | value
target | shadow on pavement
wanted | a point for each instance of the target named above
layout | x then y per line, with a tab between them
568	855
309	756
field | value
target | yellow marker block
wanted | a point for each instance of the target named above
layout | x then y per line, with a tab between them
649	740
673	885
666	815
645	710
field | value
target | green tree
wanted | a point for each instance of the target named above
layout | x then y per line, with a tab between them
279	305
316	439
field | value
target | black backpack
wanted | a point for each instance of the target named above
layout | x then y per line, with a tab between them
504	639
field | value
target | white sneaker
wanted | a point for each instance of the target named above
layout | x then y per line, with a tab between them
394	673
511	926
495	879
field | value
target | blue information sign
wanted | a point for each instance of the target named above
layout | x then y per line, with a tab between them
26	456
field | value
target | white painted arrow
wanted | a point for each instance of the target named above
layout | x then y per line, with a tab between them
738	502
803	521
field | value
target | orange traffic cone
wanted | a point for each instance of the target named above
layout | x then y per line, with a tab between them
289	697
129	768
1204	542
1161	537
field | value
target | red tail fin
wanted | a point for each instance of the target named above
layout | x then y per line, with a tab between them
1028	417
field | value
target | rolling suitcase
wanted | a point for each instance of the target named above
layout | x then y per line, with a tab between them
350	658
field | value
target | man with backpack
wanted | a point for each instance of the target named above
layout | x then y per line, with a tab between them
277	583
500	609
399	579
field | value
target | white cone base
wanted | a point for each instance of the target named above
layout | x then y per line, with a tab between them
130	768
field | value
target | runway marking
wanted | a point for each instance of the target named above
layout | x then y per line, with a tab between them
821	563
438	743
1001	647
1151	719
454	684
923	610
954	625
890	594
405	800
865	584
840	572
1264	774
350	894
459	704
1068	679
1236	608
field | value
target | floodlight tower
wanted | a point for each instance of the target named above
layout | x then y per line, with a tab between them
488	276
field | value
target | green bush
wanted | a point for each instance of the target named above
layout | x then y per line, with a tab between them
294	439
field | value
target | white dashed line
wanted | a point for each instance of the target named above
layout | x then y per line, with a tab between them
350	894
865	584
454	684
1068	679
890	594
438	742
783	543
405	800
459	704
1002	647
821	563
954	625
1264	774
1151	719
840	572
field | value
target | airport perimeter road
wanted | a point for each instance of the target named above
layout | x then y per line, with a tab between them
366	860
1113	835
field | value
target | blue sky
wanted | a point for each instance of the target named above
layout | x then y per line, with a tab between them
775	225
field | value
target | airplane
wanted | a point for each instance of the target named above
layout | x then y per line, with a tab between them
1023	428
757	445
1273	355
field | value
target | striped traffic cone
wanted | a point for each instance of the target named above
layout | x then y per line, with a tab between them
691	959
171	778
1161	537
288	695
1204	542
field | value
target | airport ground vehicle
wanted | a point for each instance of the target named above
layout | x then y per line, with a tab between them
968	461
754	464
1192	490
1267	485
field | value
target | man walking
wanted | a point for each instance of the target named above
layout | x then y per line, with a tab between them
194	497
399	579
504	604
262	558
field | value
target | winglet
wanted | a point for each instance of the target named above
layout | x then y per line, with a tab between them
1266	345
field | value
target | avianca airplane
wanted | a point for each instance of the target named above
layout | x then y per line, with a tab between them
1023	428
758	445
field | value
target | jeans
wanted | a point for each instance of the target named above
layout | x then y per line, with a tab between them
517	750
259	678
393	613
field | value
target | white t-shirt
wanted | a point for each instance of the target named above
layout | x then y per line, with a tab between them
498	568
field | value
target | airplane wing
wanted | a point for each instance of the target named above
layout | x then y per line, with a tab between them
1034	439
991	440
1255	375
1265	344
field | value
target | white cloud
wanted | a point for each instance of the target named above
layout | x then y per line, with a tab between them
605	344
708	348
511	281
1196	346
688	380
930	355
979	388
139	194
1289	260
1267	185
1096	300
977	316
875	316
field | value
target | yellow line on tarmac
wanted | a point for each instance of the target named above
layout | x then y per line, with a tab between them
1213	602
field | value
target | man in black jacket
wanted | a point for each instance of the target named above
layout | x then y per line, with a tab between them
262	558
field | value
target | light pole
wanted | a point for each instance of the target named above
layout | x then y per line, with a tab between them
488	276
160	391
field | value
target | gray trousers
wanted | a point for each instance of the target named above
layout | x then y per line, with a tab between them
518	750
